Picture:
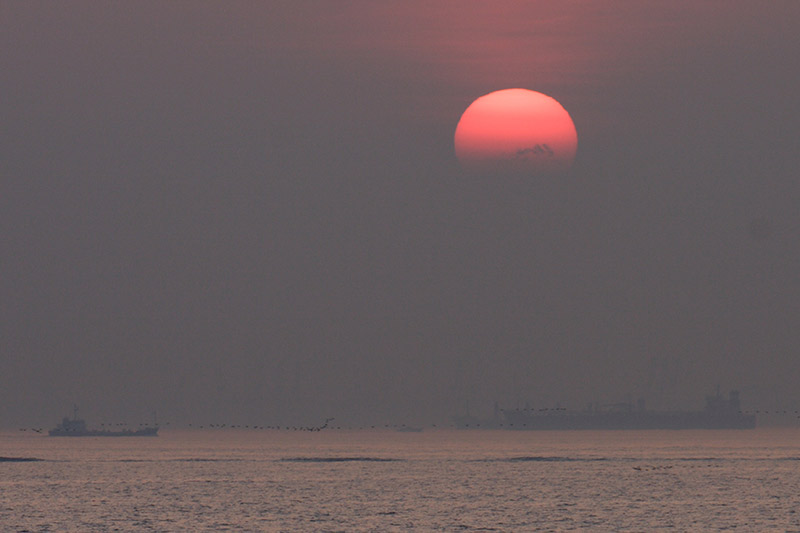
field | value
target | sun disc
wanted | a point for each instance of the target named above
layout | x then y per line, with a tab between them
516	131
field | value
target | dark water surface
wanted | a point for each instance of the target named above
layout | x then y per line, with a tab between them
446	480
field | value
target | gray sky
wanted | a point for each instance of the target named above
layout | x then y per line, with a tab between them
252	211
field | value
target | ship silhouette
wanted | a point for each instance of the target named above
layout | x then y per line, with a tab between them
720	412
76	427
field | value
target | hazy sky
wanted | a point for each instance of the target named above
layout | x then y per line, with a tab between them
251	211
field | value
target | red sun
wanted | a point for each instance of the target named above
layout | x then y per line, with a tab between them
516	132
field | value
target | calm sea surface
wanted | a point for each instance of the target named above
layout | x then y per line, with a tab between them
437	480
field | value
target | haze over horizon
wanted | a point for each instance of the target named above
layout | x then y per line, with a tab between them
253	212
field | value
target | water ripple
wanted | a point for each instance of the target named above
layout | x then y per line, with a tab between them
338	460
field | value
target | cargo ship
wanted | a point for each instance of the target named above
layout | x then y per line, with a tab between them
75	427
720	412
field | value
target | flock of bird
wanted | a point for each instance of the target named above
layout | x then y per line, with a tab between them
246	426
400	427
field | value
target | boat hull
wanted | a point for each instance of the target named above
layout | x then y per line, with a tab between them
144	432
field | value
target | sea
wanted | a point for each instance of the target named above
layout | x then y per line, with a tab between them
386	480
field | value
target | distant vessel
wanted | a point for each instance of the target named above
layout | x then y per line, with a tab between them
75	427
410	429
719	413
469	421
